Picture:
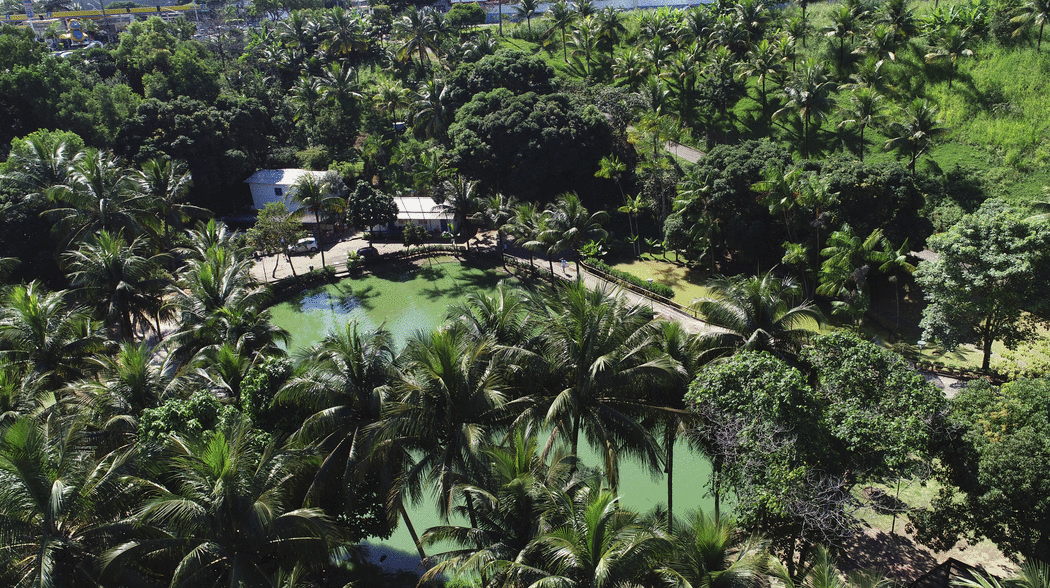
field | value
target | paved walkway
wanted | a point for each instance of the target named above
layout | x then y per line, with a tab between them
690	323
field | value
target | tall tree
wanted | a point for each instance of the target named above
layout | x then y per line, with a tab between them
123	283
570	226
990	274
597	367
205	493
807	94
914	134
58	504
321	195
1036	12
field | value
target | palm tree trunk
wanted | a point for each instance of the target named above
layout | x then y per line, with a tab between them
669	439
317	237
412	532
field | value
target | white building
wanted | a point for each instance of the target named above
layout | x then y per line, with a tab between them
275	185
419	210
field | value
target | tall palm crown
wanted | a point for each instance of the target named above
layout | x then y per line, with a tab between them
711	552
123	282
598	365
807	94
915	133
100	194
40	330
320	195
570	226
449	400
167	183
220	511
597	544
756	314
1036	12
56	503
341	382
44	163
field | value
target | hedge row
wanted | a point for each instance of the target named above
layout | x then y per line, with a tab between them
658	289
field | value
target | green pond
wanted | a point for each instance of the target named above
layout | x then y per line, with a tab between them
407	300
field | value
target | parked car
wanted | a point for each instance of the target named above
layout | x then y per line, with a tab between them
307	245
368	252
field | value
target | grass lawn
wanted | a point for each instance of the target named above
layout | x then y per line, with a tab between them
688	284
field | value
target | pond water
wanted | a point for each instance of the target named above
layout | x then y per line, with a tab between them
404	301
407	300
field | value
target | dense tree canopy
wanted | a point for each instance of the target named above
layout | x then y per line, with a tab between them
995	470
529	144
991	272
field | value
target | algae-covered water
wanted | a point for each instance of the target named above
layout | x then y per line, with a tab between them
403	300
407	300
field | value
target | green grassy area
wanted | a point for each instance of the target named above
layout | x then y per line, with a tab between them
688	284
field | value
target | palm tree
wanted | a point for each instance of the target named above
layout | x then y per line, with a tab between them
417	33
571	226
39	329
844	23
504	316
807	94
449	398
463	202
496	214
900	18
864	110
217	299
598	543
1036	12
100	194
305	95
525	9
509	502
124	285
320	194
598	364
584	42
338	86
340	382
845	271
525	226
710	551
433	109
824	573
42	163
756	314
561	16
222	512
895	263
390	97
779	191
1033	574
949	43
167	183
761	62
58	504
122	386
915	134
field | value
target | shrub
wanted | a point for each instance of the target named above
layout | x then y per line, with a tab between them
655	288
462	15
414	235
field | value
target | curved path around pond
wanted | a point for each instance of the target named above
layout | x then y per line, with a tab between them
335	255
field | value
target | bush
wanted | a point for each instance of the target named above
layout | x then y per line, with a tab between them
658	289
313	158
414	235
462	15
